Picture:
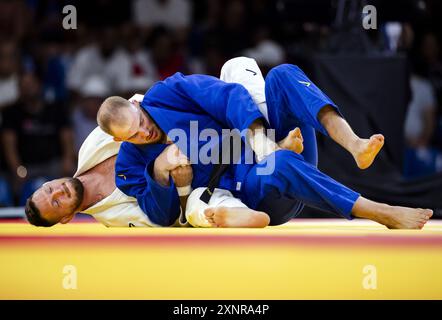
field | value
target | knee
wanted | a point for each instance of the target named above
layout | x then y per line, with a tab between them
284	157
232	65
278	163
282	70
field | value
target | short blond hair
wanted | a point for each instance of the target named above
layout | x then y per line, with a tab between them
112	112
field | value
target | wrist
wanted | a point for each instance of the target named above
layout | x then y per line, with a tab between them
184	191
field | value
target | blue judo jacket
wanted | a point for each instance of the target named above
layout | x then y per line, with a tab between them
187	103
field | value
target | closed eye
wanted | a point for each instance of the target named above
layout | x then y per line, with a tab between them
133	136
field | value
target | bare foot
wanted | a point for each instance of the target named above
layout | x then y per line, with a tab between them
393	217
405	218
294	141
224	217
367	149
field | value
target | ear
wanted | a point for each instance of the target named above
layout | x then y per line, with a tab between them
117	139
66	219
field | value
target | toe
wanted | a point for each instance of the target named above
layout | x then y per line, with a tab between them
429	213
209	212
379	137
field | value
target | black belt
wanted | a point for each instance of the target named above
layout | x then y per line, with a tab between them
217	171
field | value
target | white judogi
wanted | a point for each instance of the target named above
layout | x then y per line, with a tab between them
118	209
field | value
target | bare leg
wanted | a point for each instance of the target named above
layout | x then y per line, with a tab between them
392	217
364	151
225	217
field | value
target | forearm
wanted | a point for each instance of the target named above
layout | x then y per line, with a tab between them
160	203
161	176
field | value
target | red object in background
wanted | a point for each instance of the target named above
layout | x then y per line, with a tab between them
137	70
171	66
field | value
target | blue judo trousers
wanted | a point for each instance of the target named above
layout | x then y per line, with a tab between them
292	101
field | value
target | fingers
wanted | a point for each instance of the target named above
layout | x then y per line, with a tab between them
175	157
181	169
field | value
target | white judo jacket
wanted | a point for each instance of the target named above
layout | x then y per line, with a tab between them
118	209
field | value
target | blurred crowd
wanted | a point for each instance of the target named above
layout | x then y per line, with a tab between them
53	80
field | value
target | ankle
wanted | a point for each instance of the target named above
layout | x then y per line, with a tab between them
354	144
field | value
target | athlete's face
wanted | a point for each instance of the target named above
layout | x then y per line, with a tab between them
58	200
139	128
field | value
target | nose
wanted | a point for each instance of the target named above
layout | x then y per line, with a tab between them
57	192
145	132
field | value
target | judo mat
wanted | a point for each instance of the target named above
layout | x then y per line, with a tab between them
303	259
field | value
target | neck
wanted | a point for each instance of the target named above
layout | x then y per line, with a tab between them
89	197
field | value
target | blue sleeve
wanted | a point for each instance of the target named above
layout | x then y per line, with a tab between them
133	177
228	103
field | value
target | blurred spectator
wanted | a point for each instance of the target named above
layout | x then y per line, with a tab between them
422	158
103	59
14	19
420	119
52	63
431	55
210	62
172	14
92	93
232	30
141	72
102	13
407	38
167	13
266	52
36	137
8	73
165	53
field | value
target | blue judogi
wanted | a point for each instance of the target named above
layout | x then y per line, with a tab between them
292	100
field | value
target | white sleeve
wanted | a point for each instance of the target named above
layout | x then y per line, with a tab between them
126	214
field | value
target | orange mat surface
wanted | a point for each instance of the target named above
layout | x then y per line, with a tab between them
303	259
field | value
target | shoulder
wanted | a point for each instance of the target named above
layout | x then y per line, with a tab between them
131	155
127	151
